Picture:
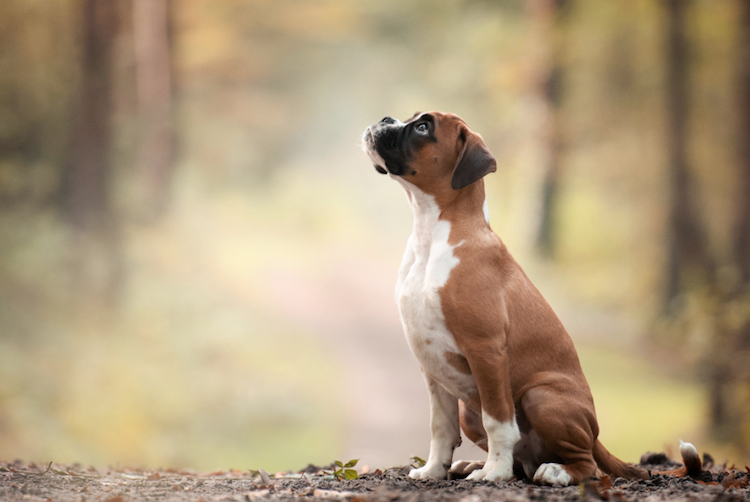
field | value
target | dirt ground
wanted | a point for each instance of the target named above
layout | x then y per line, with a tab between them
58	483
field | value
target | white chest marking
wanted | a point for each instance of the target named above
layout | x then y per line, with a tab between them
425	268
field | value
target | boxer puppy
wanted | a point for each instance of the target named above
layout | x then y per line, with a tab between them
496	359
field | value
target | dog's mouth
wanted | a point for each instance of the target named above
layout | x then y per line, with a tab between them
383	143
368	145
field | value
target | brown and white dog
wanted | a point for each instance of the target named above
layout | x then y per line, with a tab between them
495	357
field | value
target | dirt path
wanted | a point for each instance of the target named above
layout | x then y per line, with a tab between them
20	482
350	307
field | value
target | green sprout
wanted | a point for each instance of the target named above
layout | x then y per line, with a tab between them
417	462
343	471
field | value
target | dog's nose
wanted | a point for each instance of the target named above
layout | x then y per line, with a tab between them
388	120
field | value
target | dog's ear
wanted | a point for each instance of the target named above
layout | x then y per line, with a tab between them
474	161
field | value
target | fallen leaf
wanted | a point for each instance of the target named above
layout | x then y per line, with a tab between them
595	488
259	494
332	494
730	481
265	479
128	476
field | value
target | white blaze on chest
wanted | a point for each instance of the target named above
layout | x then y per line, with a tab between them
426	267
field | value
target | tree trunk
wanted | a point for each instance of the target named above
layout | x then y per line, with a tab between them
688	262
85	192
550	13
742	231
729	373
741	353
151	25
85	196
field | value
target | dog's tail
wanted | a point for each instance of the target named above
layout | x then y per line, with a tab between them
692	462
614	466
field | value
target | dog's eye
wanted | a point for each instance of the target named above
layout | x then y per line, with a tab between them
422	128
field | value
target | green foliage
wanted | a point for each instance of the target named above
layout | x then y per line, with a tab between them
417	462
343	471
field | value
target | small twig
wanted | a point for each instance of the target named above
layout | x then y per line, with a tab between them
29	473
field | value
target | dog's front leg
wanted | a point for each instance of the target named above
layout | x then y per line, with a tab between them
501	438
490	365
444	427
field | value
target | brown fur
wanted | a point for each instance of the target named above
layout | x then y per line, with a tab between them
521	357
458	361
518	351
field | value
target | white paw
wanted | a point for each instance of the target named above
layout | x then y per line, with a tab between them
493	471
552	474
429	471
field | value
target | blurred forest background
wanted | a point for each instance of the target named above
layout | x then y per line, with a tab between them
197	261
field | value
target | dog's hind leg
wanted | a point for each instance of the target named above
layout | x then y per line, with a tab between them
567	428
471	424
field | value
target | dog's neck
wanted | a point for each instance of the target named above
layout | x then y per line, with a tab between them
434	215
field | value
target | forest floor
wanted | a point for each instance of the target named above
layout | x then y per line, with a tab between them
57	483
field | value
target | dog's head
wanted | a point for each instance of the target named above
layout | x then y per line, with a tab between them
434	151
